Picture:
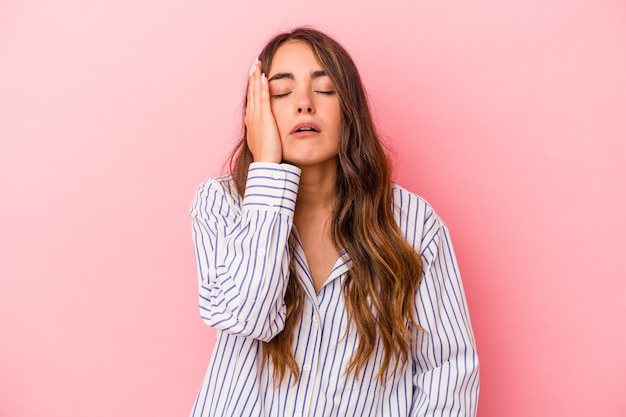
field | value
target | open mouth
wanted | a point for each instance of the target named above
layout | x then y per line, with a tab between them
306	128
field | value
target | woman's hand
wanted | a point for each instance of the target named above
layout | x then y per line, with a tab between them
262	133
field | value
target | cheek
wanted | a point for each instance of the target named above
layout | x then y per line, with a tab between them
278	112
282	118
337	117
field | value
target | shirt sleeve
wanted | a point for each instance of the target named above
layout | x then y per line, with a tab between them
445	362
242	251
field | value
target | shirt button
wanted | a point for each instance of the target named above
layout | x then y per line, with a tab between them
261	252
306	367
276	175
297	415
315	319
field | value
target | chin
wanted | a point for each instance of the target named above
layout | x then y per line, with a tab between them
304	162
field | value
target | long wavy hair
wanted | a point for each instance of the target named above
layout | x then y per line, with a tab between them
380	288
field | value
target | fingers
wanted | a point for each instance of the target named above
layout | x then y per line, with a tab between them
258	89
262	134
252	85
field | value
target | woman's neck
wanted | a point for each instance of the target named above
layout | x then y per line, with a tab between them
316	192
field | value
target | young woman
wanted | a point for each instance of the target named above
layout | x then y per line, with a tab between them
335	292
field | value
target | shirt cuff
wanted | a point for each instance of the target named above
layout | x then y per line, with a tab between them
271	187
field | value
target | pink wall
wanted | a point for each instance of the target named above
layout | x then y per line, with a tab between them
509	117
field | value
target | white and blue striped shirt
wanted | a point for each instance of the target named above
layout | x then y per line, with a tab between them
242	250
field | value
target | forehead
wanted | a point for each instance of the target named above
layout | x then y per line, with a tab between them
294	57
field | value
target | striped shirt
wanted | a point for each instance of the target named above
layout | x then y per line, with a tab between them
242	248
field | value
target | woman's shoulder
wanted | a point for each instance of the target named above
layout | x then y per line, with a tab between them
218	189
415	216
223	184
411	203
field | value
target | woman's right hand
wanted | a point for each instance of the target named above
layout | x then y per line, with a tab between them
262	133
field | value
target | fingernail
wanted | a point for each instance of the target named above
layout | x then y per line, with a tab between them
253	67
263	78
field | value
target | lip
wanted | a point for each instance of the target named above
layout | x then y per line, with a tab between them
315	129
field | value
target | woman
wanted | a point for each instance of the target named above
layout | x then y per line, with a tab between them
334	291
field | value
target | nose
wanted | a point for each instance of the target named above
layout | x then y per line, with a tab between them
308	109
304	104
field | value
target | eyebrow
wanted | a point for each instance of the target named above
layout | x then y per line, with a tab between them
289	76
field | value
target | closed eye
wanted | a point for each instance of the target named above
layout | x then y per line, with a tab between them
327	92
280	95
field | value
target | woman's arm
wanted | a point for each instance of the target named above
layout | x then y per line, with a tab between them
445	362
242	251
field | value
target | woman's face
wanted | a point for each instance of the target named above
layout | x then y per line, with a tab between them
305	106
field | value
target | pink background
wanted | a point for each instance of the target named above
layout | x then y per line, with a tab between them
509	117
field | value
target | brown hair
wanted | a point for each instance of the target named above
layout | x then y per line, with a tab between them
379	289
